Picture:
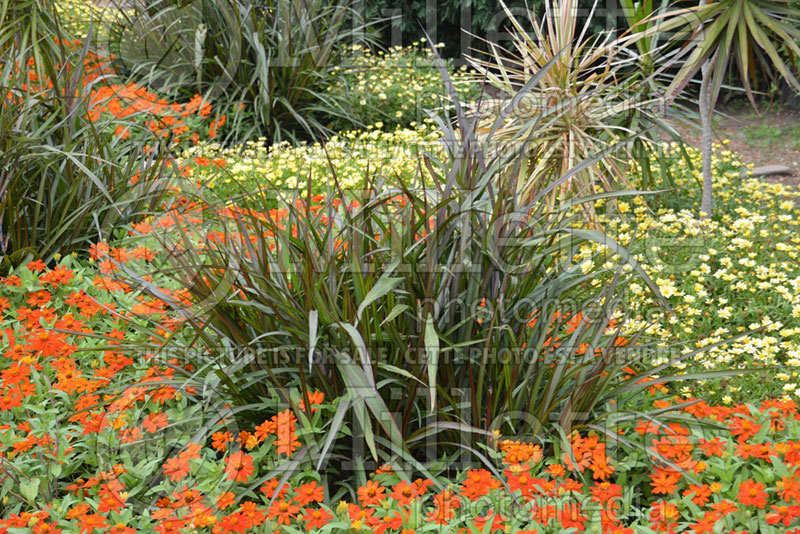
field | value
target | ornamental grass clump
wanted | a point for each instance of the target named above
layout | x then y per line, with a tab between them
436	316
265	65
66	177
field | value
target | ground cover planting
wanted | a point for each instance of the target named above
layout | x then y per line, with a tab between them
262	274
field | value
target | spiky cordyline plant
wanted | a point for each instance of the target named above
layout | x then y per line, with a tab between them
594	104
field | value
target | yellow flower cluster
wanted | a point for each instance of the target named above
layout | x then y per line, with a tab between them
394	87
75	16
352	156
735	277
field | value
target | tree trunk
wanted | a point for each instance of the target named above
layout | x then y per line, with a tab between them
706	113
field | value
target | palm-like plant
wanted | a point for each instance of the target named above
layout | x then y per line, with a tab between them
591	98
744	32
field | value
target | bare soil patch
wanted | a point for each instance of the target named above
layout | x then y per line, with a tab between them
768	137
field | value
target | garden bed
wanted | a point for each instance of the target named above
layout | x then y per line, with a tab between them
216	320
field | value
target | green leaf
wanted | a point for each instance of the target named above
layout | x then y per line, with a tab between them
363	392
313	323
781	470
29	489
432	353
361	347
333	430
380	289
397	310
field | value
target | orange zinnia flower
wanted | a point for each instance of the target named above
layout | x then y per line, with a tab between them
522	481
308	493
403	493
371	494
220	440
788	488
225	500
176	468
751	493
479	482
315	398
664	481
91	522
713	447
283	512
270	489
316	518
663	516
239	466
445	506
154	421
518	451
571	517
782	514
700	493
705	525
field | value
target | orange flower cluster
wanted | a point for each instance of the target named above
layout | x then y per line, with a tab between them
130	104
588	452
132	101
696	478
517	452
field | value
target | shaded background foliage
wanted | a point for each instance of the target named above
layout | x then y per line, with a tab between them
408	18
